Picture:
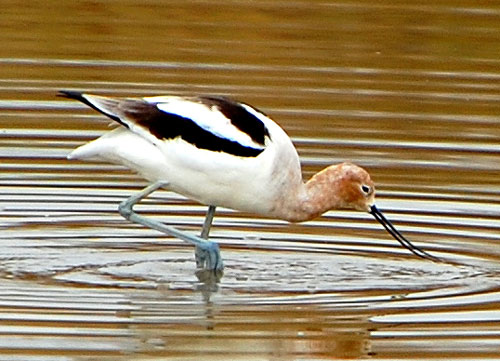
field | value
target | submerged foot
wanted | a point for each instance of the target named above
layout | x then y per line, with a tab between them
207	256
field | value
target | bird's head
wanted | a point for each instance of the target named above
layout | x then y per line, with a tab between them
354	188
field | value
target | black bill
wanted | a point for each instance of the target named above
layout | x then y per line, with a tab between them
379	216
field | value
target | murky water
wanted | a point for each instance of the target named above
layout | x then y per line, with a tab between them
410	92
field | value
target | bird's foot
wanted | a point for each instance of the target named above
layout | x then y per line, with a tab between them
207	255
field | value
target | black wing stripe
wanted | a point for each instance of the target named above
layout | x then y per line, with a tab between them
165	125
170	126
240	117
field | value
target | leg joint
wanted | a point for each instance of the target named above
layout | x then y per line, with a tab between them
125	209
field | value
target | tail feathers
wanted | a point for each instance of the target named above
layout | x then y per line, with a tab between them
104	105
104	147
71	94
86	151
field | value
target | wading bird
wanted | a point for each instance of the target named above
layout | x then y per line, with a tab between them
220	152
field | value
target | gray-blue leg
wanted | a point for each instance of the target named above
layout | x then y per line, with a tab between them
207	252
201	254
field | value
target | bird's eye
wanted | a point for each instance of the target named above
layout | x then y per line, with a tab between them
366	189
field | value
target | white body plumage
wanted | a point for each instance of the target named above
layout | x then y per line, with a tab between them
258	184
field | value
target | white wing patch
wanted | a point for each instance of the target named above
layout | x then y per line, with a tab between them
207	117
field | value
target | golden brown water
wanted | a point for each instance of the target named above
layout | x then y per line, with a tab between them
411	92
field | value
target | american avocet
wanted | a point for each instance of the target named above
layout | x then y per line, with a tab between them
220	152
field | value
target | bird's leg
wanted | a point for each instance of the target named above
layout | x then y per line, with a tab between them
201	254
208	222
210	250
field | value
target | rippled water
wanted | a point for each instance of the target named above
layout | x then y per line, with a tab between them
410	92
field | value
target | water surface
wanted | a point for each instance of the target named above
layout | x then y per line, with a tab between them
410	92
